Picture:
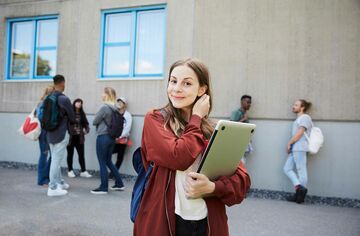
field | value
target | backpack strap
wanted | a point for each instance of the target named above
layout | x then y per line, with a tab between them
112	110
62	113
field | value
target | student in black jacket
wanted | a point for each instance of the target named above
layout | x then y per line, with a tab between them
77	132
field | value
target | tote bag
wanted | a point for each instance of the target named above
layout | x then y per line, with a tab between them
31	128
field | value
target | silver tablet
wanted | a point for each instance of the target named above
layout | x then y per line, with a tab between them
226	147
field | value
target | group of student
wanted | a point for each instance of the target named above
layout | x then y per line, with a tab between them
177	200
297	146
57	144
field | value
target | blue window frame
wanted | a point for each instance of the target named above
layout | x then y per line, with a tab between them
132	42
31	48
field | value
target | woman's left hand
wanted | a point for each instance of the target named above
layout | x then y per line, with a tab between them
198	185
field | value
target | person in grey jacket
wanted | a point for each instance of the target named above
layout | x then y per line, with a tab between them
59	138
105	143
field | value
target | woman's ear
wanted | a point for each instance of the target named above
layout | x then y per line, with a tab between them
202	90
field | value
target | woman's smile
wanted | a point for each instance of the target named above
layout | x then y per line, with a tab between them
177	97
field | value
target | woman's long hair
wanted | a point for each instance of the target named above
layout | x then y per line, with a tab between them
173	117
111	95
83	120
47	91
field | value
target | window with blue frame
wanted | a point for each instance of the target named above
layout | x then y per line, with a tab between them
32	48
133	42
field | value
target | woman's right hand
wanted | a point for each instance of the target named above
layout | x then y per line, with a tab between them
202	106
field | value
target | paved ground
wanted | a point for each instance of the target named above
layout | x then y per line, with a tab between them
26	210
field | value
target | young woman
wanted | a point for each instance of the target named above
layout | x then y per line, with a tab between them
105	143
296	149
177	200
77	138
45	156
123	140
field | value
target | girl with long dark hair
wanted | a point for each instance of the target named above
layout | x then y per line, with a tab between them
77	132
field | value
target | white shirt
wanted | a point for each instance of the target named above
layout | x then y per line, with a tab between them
188	209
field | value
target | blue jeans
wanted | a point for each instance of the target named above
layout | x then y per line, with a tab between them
296	160
44	160
104	146
58	153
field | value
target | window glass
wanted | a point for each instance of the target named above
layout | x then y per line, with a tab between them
21	49
116	61
150	42
133	42
47	33
32	48
46	63
118	28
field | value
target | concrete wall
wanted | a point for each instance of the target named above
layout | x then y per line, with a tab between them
279	51
332	173
275	50
78	53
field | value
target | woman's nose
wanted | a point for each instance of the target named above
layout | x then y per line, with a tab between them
178	87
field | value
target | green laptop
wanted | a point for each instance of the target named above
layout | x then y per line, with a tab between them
226	147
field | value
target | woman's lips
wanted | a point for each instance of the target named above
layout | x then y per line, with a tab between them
177	97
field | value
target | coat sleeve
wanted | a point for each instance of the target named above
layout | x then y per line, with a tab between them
127	126
232	189
65	103
164	148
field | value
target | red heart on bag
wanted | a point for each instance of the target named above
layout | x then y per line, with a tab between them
28	127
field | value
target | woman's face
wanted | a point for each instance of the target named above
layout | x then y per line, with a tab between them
184	87
78	104
104	97
121	104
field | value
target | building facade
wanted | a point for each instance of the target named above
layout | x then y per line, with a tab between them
277	51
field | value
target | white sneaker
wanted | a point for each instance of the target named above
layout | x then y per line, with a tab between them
71	174
64	186
85	174
56	192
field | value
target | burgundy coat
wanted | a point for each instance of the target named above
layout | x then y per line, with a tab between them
156	214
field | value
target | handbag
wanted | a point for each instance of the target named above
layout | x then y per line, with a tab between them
125	140
31	128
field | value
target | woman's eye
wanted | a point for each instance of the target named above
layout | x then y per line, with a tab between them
173	81
187	84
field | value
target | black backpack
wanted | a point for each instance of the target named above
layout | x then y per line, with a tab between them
117	124
51	118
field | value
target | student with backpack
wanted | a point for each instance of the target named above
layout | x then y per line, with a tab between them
45	155
124	139
177	200
297	149
109	125
77	132
57	113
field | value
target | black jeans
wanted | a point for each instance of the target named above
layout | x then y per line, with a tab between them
120	150
75	143
190	227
